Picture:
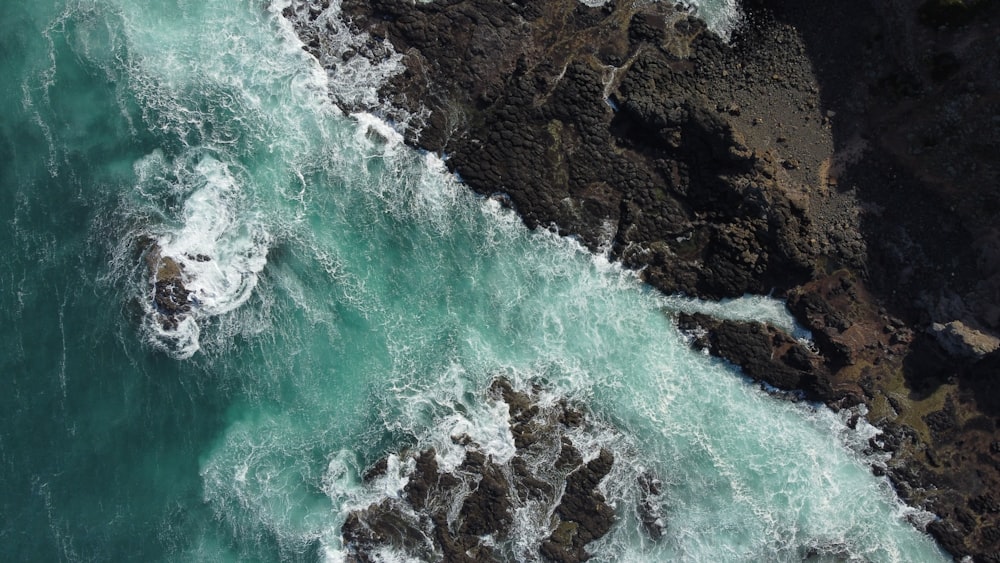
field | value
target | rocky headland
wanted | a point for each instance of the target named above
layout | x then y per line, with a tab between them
842	156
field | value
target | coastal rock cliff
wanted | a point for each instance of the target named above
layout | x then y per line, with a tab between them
844	157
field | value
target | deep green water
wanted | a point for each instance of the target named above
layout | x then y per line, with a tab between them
356	300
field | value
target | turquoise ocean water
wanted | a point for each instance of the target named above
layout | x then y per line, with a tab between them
352	299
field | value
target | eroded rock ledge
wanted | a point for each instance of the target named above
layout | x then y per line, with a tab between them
842	156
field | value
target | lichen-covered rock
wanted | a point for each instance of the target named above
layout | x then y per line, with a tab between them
962	341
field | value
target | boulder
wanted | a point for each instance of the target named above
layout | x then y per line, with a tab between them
962	341
764	353
171	299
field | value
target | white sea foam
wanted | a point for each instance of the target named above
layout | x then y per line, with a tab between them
357	63
758	308
722	16
221	254
219	250
384	133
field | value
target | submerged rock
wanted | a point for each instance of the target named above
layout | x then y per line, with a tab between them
650	512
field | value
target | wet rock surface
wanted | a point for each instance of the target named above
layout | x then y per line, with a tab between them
601	123
171	298
764	352
844	156
467	513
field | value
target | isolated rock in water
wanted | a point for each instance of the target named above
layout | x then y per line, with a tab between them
546	475
171	298
963	341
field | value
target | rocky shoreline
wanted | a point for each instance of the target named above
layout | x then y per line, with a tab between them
843	157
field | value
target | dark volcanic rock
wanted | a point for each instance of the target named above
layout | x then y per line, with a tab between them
583	515
522	99
764	352
487	510
381	524
423	522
